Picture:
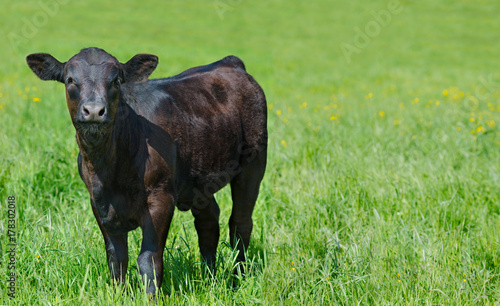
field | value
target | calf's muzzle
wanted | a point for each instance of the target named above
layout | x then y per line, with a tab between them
92	112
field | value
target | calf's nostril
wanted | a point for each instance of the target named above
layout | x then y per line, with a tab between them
101	112
86	111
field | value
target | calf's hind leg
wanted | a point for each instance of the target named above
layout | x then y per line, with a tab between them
244	192
206	222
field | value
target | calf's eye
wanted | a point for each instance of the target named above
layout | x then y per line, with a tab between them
73	92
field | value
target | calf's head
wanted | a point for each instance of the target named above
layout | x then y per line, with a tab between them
93	79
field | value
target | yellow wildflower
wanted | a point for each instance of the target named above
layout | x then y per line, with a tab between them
381	113
283	143
36	99
271	106
333	118
445	92
278	112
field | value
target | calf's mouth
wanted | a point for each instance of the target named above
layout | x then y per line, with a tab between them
91	132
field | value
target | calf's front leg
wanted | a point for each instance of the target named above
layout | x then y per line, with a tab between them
117	254
155	226
116	251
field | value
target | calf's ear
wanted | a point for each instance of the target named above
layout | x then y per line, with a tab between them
139	67
46	67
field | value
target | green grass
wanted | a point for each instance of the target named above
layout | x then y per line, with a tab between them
369	197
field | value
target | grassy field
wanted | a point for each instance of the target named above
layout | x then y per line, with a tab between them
382	184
